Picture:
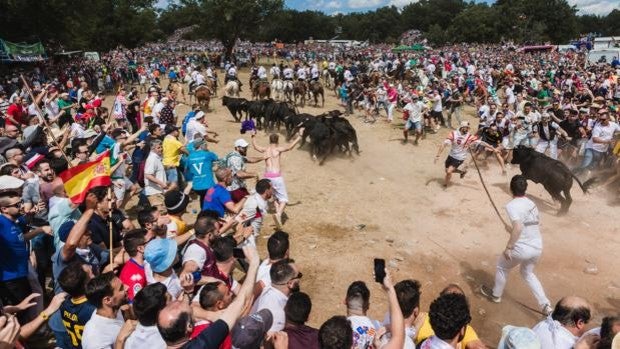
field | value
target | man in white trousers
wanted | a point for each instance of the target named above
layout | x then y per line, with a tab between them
523	248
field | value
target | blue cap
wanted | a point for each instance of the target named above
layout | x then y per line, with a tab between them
160	254
64	230
518	338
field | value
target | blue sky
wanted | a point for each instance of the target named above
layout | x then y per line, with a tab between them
600	7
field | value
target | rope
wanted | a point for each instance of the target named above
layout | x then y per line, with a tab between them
487	190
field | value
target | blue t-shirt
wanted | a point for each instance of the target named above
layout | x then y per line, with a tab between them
13	251
199	169
106	143
215	199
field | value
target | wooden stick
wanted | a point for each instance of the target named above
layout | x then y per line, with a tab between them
473	157
42	119
110	226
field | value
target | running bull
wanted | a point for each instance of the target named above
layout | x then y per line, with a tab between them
552	174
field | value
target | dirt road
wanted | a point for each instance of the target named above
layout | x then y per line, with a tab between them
388	202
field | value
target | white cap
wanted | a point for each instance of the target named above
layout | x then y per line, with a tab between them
464	123
242	143
10	183
199	115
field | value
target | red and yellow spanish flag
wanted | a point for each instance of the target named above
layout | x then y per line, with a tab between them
79	179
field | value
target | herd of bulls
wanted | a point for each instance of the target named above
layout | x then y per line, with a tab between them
327	132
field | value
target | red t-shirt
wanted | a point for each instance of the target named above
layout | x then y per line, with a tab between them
17	112
203	325
132	276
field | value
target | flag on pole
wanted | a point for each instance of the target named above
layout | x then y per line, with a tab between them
79	179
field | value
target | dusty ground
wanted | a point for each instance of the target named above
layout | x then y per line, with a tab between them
433	235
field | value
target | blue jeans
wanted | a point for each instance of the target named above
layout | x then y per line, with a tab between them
172	176
591	158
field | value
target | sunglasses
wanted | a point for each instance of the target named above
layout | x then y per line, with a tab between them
16	205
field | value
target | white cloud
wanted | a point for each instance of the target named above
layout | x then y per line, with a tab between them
333	4
364	3
401	3
595	7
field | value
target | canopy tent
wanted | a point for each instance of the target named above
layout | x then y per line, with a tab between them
21	52
405	48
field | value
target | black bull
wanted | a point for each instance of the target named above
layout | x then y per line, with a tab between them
552	174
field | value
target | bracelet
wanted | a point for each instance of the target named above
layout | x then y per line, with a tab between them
44	315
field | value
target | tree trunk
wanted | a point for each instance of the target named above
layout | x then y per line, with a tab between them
228	51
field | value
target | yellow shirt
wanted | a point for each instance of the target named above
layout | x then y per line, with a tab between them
171	155
426	331
181	226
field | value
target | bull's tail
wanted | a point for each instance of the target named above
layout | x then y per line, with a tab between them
585	185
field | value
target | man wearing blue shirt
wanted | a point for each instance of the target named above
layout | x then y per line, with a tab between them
199	168
218	198
14	285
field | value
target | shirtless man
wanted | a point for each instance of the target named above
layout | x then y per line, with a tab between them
272	169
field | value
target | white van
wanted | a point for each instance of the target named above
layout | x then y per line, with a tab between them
603	56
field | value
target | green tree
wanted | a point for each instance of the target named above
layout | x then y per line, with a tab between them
229	20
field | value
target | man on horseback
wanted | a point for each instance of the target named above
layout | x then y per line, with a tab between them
301	76
231	74
274	72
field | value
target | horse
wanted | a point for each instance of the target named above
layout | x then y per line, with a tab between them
300	91
231	88
287	88
277	87
178	89
317	89
260	89
203	96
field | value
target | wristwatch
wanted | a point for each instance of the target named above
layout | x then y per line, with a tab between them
44	315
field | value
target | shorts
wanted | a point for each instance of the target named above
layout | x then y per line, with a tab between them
452	162
279	188
413	125
121	186
437	115
172	175
507	143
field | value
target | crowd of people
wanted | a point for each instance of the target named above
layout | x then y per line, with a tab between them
167	282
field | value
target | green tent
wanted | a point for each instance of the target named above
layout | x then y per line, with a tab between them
22	52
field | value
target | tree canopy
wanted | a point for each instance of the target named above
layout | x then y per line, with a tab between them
104	24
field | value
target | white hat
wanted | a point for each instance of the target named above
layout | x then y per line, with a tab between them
242	143
199	115
10	183
89	133
464	123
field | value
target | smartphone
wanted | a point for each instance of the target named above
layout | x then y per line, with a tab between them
238	253
379	270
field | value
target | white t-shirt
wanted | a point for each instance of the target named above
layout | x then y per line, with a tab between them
155	167
193	127
410	334
195	253
553	335
101	332
274	300
263	273
524	211
172	282
145	337
364	331
437	106
415	110
605	133
460	144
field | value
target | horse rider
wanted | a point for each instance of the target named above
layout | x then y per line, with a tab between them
301	75
262	74
274	72
314	74
231	74
288	73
